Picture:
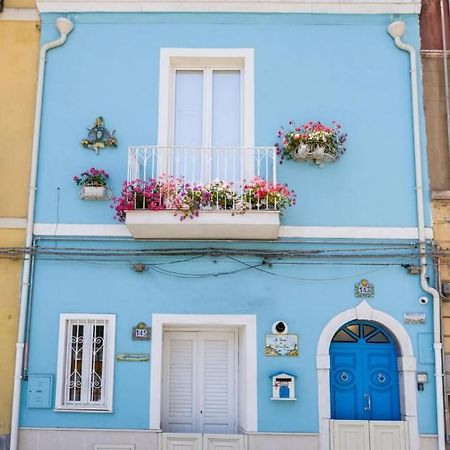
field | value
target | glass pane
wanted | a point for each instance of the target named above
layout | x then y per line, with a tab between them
188	124
75	366
342	336
378	338
96	386
226	125
354	329
368	329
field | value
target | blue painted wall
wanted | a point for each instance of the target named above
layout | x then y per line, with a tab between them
307	67
306	294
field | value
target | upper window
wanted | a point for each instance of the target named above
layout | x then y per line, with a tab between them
85	362
206	114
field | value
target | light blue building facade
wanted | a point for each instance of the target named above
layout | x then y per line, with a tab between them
223	306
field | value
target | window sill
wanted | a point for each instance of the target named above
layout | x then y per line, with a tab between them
217	225
64	409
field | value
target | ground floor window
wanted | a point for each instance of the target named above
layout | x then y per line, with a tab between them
85	361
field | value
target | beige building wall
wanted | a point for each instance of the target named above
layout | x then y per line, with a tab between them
439	167
19	49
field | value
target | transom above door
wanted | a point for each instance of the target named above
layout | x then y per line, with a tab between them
364	373
199	382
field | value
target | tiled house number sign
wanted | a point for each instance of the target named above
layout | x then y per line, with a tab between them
141	332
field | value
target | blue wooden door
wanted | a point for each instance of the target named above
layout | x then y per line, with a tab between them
364	373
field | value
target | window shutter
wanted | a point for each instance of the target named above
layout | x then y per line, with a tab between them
179	394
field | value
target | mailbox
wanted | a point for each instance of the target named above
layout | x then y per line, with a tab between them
283	386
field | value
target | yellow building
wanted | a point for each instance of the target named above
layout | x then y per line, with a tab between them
19	50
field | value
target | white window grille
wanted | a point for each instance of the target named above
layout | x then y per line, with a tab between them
85	366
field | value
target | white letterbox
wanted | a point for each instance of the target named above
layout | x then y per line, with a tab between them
283	386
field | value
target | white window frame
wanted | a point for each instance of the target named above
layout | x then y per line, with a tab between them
247	361
109	352
172	59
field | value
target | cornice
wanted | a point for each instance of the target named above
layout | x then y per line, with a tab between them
234	6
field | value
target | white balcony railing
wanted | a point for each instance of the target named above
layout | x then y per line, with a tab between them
235	167
203	165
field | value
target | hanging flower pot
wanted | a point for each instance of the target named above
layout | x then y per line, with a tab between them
93	184
311	141
94	193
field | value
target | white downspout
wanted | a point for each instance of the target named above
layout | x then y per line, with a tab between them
64	26
396	30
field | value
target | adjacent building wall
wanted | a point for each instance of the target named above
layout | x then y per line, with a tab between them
437	142
19	45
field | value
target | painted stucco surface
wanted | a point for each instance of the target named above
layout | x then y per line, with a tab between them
19	44
307	67
343	68
306	303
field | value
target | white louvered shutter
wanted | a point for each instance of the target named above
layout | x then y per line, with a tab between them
180	382
199	382
217	379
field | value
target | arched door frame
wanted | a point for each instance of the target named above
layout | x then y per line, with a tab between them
406	365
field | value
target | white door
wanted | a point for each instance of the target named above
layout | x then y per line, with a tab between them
369	435
199	382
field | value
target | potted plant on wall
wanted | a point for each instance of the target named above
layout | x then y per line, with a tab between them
312	141
93	184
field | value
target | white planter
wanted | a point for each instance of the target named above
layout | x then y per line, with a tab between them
93	193
316	154
217	225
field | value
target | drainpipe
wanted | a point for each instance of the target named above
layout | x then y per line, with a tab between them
64	26
396	30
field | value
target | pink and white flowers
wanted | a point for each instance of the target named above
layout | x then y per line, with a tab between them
92	177
313	141
189	199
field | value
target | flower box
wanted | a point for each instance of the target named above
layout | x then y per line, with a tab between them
209	225
93	193
306	152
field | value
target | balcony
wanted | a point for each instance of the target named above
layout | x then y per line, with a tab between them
220	184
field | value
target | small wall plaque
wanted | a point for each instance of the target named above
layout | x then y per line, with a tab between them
281	345
99	137
415	318
39	391
141	332
132	357
364	289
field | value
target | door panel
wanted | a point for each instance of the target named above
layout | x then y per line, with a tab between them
350	435
388	435
177	441
199	382
224	442
346	384
381	379
216	383
368	435
179	386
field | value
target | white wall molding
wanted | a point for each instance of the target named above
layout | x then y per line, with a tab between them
20	15
248	420
13	222
406	364
239	6
107	230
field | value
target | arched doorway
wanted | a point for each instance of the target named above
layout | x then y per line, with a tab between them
406	369
364	373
